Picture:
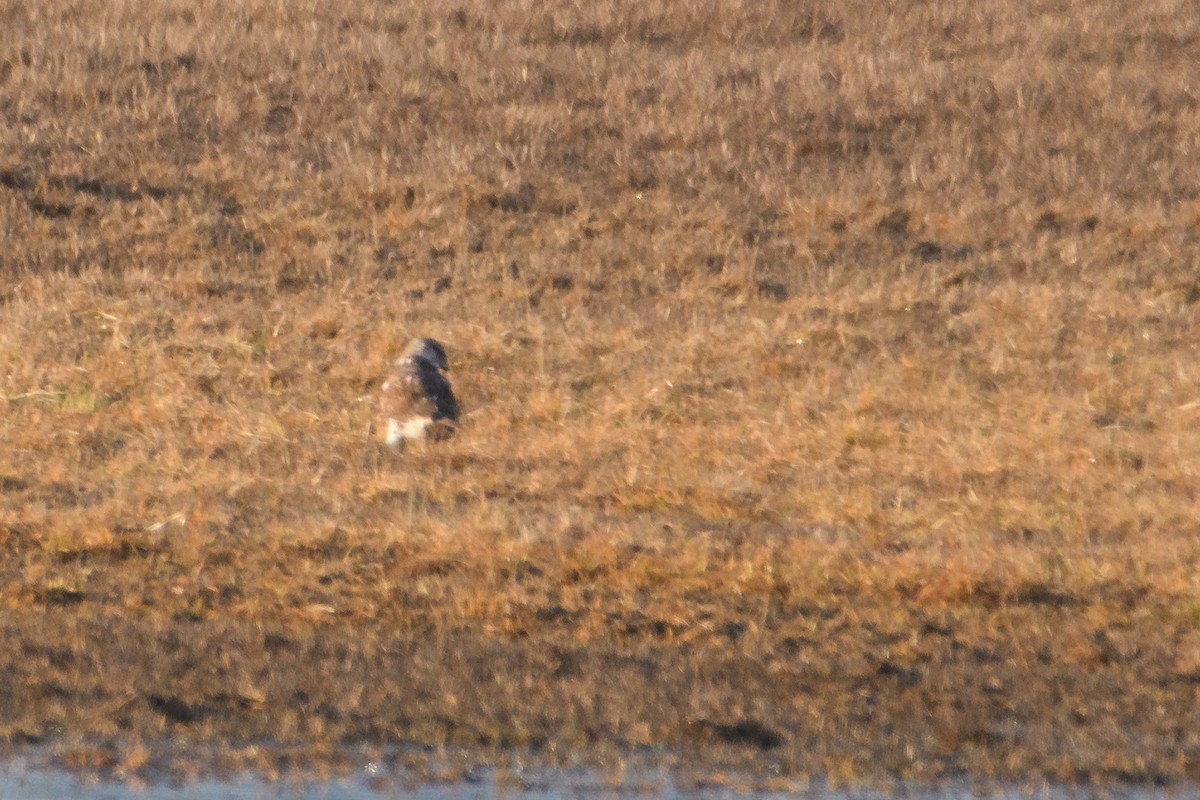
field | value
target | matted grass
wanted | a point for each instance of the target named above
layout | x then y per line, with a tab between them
829	371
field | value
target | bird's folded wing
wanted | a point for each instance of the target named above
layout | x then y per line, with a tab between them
404	398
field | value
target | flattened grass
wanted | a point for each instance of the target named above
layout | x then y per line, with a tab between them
829	379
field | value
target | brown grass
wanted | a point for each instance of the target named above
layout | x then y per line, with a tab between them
830	379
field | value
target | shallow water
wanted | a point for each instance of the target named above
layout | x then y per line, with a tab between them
21	779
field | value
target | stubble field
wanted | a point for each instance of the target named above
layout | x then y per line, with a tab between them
829	374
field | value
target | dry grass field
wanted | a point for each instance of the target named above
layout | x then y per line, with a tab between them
830	377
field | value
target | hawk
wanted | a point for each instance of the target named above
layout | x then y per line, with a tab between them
417	400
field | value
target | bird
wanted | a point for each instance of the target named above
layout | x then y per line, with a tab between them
417	401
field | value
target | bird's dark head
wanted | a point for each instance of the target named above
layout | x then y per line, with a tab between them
429	351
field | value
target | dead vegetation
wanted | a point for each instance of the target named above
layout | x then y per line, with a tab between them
829	375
